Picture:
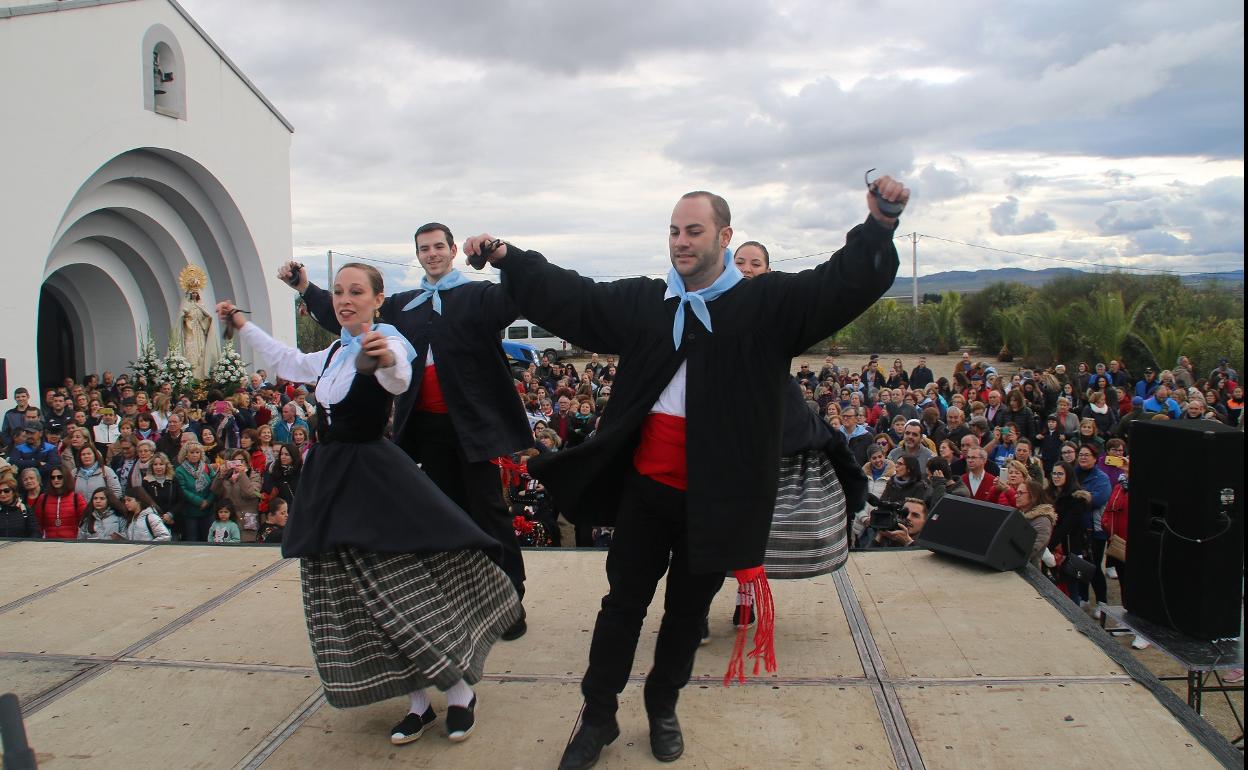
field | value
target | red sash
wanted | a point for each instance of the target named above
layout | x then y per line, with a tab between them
661	453
430	397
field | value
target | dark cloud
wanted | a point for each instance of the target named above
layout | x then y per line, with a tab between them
574	126
1005	220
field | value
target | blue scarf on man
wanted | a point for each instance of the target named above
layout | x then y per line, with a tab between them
430	289
697	300
351	345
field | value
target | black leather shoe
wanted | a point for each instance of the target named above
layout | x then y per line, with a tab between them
589	741
517	629
667	742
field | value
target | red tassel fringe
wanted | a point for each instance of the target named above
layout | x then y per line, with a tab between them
764	652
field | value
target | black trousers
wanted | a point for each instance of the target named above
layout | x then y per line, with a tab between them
477	487
650	539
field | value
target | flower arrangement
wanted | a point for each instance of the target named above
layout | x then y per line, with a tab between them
176	370
229	373
148	368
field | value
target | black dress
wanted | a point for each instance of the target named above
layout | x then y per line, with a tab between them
399	590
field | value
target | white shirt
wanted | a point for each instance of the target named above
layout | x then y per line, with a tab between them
290	364
672	399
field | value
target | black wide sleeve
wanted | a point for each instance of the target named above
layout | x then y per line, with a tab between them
321	308
810	306
590	315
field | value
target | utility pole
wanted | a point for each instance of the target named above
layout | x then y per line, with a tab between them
329	257
914	266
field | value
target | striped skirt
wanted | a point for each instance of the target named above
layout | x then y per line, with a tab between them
808	536
383	625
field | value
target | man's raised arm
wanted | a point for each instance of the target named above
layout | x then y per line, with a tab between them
590	315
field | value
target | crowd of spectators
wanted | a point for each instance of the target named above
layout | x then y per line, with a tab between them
109	458
1052	443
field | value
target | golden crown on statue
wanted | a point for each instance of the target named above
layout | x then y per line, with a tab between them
192	278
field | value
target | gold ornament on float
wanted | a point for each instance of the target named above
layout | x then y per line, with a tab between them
192	279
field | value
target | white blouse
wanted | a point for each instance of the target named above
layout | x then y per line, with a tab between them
291	364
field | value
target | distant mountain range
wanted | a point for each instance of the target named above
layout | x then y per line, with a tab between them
974	280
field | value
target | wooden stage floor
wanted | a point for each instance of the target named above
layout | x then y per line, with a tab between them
130	656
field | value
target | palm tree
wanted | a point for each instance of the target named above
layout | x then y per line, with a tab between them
945	317
1013	329
1167	343
1107	322
1052	326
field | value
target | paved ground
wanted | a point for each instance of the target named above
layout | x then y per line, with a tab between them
195	656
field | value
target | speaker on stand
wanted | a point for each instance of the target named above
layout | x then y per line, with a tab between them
1185	533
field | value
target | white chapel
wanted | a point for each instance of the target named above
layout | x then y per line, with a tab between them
130	147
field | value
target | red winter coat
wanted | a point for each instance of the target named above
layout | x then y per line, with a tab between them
1114	519
70	509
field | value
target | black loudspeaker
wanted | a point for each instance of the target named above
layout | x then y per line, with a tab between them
994	535
4	379
1185	537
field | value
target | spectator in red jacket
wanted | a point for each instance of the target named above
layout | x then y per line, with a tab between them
60	509
981	483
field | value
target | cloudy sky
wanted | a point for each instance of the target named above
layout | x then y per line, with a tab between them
1109	133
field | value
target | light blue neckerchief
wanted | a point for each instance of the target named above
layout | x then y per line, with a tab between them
697	300
351	345
429	289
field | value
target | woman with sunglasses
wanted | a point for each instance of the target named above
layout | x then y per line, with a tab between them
59	510
15	520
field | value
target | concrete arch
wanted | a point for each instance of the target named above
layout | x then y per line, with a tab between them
135	223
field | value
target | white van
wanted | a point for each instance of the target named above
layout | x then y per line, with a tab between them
546	342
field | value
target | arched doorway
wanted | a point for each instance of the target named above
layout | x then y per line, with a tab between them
59	346
111	274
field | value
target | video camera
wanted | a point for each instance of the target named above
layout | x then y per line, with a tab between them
886	516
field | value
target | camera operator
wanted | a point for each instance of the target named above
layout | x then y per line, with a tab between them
912	517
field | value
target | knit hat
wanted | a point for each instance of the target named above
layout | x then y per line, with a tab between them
1137	401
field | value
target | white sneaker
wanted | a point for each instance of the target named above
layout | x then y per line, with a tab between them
1099	611
1139	643
1111	573
1049	559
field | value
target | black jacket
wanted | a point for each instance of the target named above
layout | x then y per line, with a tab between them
17	522
803	430
476	381
732	444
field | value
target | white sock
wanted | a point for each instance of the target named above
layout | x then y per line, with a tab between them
420	702
460	694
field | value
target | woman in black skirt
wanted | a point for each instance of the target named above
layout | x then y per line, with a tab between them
400	588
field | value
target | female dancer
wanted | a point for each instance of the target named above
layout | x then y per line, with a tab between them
399	590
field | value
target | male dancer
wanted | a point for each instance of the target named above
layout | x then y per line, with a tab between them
461	411
690	483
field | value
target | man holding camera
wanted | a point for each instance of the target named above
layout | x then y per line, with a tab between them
910	521
461	410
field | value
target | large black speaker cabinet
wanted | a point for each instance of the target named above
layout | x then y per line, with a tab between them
1185	538
4	379
994	535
